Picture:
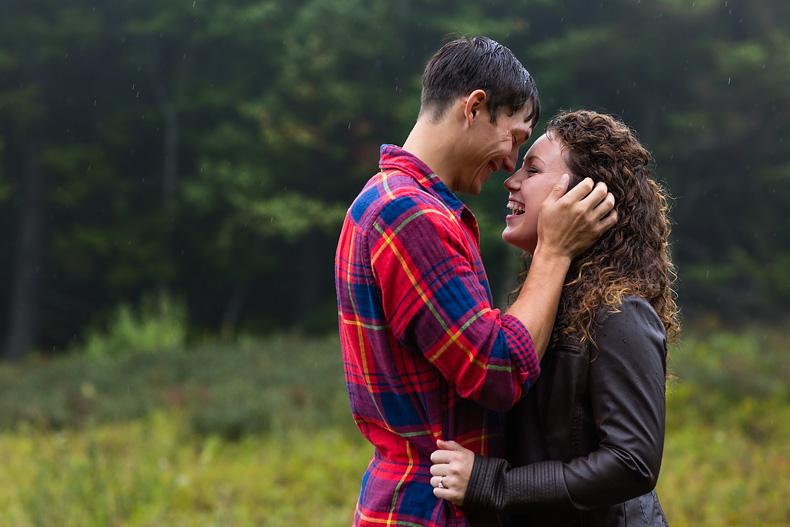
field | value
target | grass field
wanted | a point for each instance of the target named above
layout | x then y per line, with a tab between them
259	434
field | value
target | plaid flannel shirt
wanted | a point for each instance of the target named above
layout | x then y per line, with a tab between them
426	357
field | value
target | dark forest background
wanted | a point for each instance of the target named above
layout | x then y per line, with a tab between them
202	154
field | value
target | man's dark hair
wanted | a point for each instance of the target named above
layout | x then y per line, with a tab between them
468	64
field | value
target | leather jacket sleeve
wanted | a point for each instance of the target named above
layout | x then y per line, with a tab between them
627	390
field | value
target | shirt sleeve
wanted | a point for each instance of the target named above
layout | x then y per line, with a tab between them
627	387
434	300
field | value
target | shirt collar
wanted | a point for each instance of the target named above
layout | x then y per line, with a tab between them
396	158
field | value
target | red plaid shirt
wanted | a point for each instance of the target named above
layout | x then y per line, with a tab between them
425	355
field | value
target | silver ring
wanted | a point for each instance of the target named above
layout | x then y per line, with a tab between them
441	483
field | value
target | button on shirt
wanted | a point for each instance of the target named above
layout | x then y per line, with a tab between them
425	355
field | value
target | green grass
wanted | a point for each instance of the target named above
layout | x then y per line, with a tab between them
727	454
259	434
148	473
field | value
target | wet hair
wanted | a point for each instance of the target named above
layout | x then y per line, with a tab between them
468	64
631	258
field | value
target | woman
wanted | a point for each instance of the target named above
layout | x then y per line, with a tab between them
585	445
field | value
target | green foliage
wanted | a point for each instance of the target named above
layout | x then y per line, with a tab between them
206	146
228	391
146	473
747	373
255	434
728	430
159	323
260	434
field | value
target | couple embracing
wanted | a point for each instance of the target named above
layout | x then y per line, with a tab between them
551	412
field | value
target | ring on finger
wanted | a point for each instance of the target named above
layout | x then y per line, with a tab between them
441	483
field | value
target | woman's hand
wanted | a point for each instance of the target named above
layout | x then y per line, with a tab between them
451	470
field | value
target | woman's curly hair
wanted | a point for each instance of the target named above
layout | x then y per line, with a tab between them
631	258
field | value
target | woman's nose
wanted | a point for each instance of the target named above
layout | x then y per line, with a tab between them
513	183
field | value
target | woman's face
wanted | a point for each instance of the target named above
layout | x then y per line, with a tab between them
529	187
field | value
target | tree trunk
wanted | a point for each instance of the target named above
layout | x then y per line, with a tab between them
170	165
20	336
233	309
172	138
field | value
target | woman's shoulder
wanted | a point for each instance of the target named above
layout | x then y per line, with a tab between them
633	312
633	319
633	328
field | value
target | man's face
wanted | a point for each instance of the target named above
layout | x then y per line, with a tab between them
493	146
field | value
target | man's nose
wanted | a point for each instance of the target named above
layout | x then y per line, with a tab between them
510	161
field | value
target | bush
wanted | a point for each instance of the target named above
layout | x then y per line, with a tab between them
159	323
260	433
226	390
728	430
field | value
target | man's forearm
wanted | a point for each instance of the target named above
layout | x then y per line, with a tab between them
536	305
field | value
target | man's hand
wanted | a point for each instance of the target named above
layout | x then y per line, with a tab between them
569	224
451	471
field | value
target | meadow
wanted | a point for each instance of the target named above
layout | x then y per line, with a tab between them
259	434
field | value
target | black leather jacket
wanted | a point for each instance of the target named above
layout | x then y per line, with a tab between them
587	439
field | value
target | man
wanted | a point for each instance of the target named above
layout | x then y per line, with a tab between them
426	356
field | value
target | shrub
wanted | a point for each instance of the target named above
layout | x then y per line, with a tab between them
226	390
159	323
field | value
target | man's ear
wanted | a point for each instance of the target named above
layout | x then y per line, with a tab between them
473	104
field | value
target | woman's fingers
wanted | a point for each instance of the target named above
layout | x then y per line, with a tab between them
445	452
451	470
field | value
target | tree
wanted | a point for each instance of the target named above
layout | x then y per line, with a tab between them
211	149
37	40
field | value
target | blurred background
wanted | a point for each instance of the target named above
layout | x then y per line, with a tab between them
173	177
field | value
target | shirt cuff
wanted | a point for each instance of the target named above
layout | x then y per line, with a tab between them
521	349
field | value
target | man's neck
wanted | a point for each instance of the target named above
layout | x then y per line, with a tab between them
430	143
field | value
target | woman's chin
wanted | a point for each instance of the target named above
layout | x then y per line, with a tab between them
517	242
